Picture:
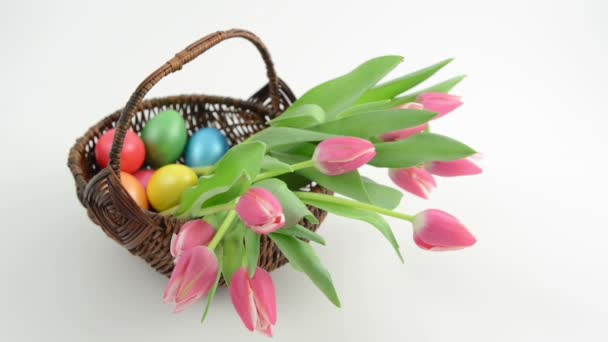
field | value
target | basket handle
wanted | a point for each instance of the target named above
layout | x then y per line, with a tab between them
174	64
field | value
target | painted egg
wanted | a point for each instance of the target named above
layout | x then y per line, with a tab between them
134	189
132	155
167	185
206	147
165	137
143	176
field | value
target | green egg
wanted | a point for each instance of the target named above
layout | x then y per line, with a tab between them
165	137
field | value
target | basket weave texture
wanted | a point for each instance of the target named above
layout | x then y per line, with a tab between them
148	234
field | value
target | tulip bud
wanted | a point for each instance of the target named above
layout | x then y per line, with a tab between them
261	211
439	103
436	230
462	167
254	300
193	277
193	233
338	156
414	180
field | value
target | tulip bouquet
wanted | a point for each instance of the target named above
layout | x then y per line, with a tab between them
325	137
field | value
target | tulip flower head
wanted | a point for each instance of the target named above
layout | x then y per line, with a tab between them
461	167
415	180
193	233
436	230
261	211
254	300
337	156
439	103
193	277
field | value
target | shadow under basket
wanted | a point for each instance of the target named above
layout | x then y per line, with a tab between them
147	234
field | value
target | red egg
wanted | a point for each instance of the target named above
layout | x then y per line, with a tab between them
143	176
133	151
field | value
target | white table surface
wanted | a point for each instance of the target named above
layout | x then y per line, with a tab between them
535	105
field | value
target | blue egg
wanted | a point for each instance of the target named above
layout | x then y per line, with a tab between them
205	147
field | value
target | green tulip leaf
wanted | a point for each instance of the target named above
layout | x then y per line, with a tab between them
342	92
365	108
354	213
418	149
232	244
224	194
304	257
273	164
302	233
390	89
303	116
252	250
242	158
293	208
443	87
348	184
382	195
277	136
371	124
211	295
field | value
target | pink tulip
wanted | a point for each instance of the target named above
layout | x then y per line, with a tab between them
462	167
408	132
337	156
439	103
193	233
254	300
436	230
193	277
414	180
261	211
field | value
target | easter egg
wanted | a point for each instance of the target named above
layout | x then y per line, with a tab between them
165	137
143	176
205	147
167	185
132	155
134	189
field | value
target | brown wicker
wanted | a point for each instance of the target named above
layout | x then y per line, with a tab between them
145	233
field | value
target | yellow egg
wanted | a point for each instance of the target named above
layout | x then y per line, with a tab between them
167	185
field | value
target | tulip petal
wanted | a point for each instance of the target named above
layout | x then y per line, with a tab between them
260	210
169	297
264	327
439	103
192	233
461	167
414	180
404	133
338	156
242	298
439	231
194	274
265	295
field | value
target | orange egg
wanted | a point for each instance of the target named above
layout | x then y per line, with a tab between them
135	189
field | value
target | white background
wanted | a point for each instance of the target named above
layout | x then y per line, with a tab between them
535	105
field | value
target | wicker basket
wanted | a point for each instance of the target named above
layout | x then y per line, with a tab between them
146	233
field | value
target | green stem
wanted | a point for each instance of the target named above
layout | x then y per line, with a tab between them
215	209
294	167
342	201
223	229
204	170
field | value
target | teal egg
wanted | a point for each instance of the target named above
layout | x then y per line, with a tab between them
205	147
